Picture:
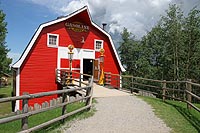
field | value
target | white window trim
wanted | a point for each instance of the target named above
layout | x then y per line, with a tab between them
54	46
95	40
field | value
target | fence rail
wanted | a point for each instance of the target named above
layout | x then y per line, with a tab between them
177	90
87	97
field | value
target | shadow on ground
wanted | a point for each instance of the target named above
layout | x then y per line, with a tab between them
3	95
188	116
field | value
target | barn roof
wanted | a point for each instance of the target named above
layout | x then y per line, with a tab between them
35	36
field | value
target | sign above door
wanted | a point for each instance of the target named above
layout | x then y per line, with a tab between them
77	26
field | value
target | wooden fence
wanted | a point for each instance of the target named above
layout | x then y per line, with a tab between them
67	88
185	91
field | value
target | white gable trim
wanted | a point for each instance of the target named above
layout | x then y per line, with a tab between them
30	45
112	44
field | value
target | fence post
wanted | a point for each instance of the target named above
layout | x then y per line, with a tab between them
25	110
80	80
131	84
189	88
120	82
64	95
63	77
164	90
117	82
89	92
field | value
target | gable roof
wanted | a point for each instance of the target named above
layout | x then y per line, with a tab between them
38	31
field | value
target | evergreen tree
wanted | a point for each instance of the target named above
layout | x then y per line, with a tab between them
133	55
4	60
192	45
125	50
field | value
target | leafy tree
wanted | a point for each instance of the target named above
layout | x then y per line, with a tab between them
164	44
191	29
4	60
172	25
153	42
170	51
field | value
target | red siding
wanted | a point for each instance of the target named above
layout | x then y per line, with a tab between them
38	71
110	60
65	63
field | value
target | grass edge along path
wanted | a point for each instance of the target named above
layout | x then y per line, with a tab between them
175	114
15	126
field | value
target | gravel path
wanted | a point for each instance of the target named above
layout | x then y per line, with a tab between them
121	114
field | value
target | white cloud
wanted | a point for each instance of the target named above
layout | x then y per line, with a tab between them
15	56
136	15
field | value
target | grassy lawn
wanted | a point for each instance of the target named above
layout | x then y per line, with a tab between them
5	108
13	127
176	115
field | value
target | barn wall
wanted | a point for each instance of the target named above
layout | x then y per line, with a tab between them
70	37
110	60
38	71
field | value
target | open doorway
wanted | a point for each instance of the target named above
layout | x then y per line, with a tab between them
96	70
87	68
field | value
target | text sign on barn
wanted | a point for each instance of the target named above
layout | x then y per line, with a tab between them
77	26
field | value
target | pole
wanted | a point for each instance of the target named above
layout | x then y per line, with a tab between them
189	97
70	53
70	70
164	90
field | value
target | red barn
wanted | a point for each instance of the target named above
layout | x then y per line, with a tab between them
48	50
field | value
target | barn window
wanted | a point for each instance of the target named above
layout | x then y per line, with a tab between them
98	44
52	40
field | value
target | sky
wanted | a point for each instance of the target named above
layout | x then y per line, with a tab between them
139	16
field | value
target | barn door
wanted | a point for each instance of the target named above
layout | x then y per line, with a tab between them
96	69
87	68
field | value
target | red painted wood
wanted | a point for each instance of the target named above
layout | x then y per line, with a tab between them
65	63
37	73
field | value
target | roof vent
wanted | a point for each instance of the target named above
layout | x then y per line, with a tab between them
60	17
104	26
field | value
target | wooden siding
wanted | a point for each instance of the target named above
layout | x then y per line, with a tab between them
65	63
38	72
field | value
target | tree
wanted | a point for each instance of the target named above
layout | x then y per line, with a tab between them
191	29
164	44
156	52
125	49
129	52
4	60
133	55
170	51
172	25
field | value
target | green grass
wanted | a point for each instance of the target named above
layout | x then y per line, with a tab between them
15	126
5	108
176	115
34	120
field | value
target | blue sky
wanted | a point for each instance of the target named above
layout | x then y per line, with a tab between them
139	16
23	18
